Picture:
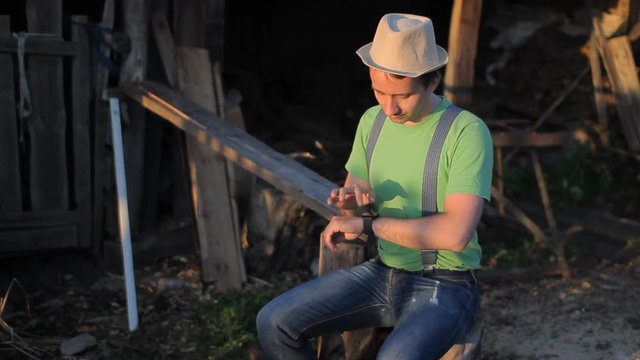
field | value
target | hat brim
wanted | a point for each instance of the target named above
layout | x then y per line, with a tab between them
365	55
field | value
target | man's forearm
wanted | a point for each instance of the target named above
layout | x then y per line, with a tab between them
449	230
435	232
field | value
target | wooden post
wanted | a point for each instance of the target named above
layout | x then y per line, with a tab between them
463	42
47	122
355	344
182	208
10	189
556	240
101	117
222	260
81	138
598	89
621	68
134	68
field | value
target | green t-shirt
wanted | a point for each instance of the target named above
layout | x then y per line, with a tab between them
397	171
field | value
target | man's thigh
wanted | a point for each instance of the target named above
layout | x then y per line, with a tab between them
431	314
339	301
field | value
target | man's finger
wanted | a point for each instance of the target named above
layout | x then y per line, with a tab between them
368	198
358	194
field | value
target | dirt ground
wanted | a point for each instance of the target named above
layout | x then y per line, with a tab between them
593	315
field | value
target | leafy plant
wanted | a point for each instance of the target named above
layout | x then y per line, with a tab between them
579	180
228	320
520	252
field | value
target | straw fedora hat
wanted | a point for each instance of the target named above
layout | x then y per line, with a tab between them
404	44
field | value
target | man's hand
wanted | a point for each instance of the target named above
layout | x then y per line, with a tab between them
351	200
339	228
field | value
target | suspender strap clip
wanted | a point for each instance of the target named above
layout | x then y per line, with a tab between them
429	258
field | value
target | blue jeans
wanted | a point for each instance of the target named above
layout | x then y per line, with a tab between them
427	313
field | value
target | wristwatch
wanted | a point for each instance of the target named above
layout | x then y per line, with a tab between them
367	225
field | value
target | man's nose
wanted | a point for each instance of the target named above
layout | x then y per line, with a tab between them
390	106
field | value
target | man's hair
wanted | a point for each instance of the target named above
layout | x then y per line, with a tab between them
429	78
426	79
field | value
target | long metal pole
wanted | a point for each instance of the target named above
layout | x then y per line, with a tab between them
123	214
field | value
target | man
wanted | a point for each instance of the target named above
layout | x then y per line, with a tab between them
424	168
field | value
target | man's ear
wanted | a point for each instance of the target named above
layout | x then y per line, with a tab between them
436	80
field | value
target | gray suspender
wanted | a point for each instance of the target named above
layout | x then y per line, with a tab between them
373	136
430	177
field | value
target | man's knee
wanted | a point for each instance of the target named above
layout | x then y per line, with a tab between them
266	319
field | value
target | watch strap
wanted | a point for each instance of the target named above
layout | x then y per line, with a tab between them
367	226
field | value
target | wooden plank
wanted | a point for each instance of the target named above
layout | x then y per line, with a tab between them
164	42
101	115
620	65
42	239
598	89
232	169
80	127
47	122
519	138
600	222
182	209
10	188
135	22
555	241
42	219
463	43
39	44
236	145
222	260
626	87
467	348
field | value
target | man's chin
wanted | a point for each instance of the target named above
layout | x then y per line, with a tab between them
398	120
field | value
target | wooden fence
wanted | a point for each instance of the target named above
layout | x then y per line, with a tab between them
45	164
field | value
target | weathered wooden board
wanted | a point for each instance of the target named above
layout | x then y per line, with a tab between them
529	138
165	44
236	145
47	123
10	189
81	92
101	116
222	260
38	44
618	60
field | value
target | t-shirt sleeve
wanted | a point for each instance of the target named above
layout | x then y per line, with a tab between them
471	164
357	162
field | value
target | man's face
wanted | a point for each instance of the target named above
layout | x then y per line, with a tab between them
404	100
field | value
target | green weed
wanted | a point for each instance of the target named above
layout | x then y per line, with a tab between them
228	323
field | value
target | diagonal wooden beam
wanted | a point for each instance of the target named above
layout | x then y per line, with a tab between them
284	173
